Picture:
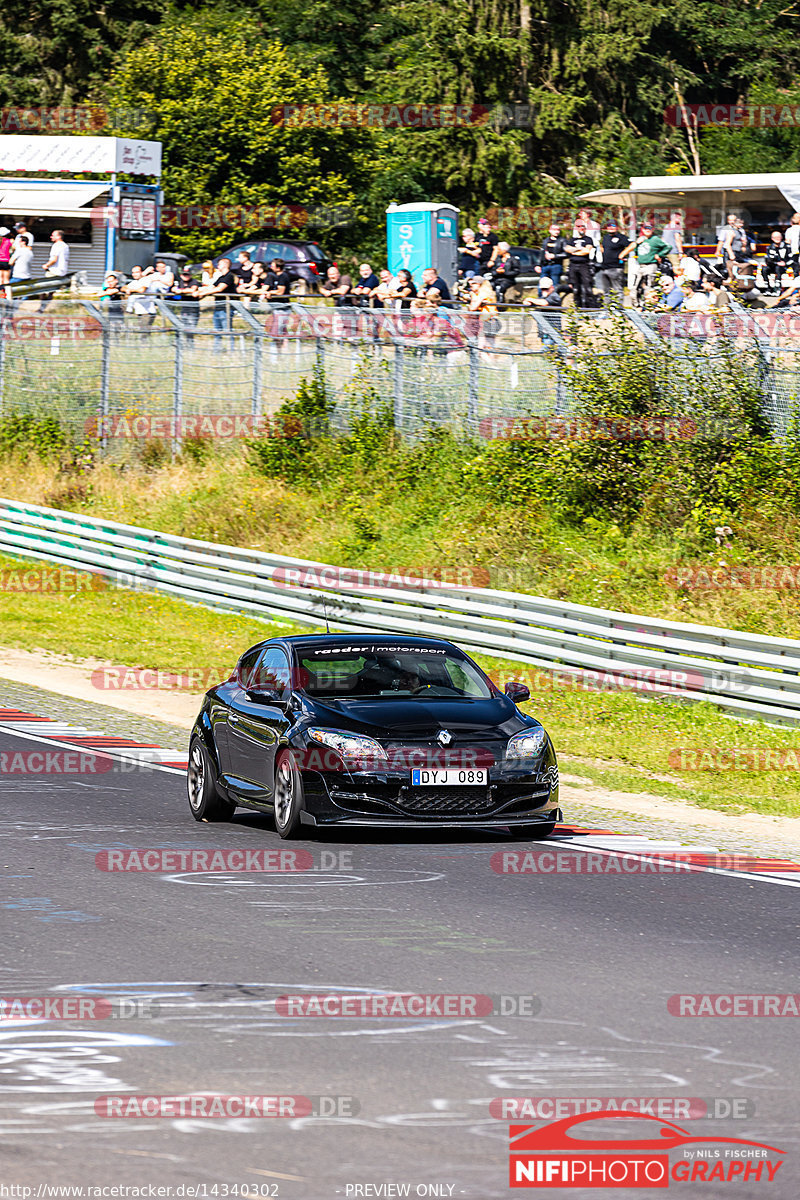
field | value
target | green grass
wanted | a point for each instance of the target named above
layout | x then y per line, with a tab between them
426	515
617	740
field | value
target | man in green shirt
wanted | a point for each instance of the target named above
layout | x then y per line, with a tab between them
648	248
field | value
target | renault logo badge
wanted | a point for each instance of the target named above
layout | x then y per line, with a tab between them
444	737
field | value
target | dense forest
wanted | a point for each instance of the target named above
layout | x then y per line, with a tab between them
593	79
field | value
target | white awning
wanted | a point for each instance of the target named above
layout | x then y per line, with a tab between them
50	201
679	190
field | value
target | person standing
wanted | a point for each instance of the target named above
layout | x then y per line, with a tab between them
5	261
579	250
223	288
553	254
469	255
673	236
591	227
186	292
58	262
610	276
647	249
792	239
21	261
22	234
488	242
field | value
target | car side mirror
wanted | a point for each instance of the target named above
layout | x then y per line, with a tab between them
518	692
269	696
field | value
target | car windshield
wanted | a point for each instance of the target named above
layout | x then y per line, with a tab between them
401	671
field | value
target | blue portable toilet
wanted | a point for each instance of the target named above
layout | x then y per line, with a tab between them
423	235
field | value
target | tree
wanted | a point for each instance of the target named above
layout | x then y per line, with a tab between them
219	93
57	53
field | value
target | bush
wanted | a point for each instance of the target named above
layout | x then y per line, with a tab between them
283	450
25	434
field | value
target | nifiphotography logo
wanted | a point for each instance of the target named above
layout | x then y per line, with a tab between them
552	1156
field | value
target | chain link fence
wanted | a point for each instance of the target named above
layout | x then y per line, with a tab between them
188	368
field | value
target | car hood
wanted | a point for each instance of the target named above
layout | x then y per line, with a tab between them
418	719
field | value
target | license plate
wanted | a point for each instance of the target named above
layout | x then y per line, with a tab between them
448	777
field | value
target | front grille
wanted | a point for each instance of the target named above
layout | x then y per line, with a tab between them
435	802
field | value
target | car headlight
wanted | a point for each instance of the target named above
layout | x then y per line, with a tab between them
528	744
349	745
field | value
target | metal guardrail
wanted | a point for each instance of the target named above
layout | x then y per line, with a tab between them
742	673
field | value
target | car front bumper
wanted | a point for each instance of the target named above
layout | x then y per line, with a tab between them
514	796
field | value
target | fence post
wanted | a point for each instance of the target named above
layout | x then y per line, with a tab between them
320	356
105	377
2	357
177	393
399	351
472	386
258	371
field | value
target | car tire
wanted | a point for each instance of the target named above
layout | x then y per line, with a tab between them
205	801
288	795
534	833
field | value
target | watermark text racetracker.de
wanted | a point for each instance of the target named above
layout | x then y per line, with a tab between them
734	577
212	1106
618	429
80	118
734	116
661	1108
617	862
226	860
76	1008
34	327
708	1004
735	758
50	580
219	426
407	1005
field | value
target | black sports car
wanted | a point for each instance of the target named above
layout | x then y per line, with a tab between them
367	730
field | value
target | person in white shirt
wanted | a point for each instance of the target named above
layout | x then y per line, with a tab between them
792	239
22	235
592	228
689	267
21	259
693	301
58	262
383	292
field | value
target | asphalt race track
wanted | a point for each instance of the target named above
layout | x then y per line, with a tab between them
580	967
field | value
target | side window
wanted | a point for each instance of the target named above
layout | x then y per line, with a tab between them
245	667
272	675
281	250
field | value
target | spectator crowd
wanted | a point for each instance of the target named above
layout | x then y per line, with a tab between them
580	265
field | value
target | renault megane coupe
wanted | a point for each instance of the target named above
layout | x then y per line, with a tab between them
389	731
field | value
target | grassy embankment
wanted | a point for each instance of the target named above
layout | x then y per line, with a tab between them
600	520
